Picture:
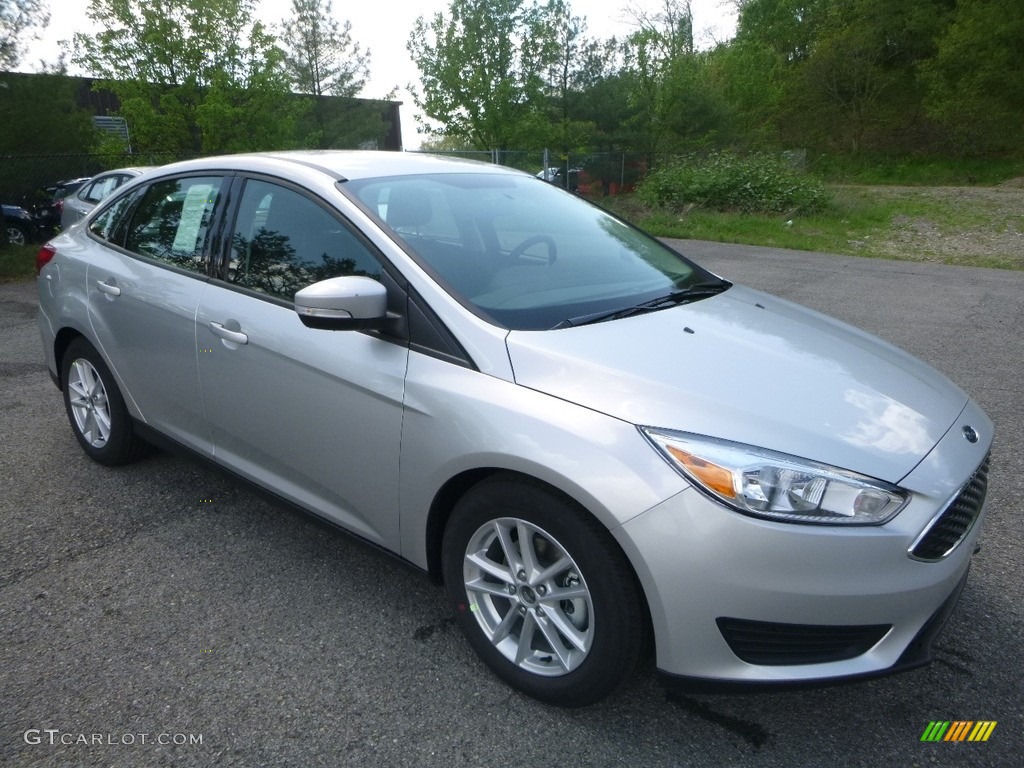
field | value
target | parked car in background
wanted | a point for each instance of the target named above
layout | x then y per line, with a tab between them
47	204
19	228
77	205
596	444
557	175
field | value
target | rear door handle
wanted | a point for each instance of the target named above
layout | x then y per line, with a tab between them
107	288
228	335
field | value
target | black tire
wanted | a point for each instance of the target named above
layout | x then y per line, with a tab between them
513	619
96	410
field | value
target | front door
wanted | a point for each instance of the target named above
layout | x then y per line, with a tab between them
314	415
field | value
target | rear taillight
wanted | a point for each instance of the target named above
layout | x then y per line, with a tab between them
59	205
46	253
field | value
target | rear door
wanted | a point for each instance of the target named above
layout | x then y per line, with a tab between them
144	289
314	415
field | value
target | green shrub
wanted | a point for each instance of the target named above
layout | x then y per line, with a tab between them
724	181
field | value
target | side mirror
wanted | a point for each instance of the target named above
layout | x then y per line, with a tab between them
343	304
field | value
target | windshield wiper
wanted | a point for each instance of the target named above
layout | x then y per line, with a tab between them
683	296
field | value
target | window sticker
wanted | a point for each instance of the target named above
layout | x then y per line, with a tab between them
197	205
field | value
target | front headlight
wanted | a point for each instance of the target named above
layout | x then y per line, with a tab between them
777	486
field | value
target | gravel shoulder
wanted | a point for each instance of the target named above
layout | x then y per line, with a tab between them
979	226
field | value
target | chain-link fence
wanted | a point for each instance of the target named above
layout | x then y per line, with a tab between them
594	174
25	179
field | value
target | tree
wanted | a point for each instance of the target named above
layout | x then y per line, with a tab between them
41	118
861	77
19	18
976	79
66	128
675	103
787	27
483	70
578	64
834	73
321	57
749	75
193	76
322	60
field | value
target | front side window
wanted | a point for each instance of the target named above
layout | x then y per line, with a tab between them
172	221
284	242
520	252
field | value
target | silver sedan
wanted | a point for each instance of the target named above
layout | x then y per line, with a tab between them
599	447
75	207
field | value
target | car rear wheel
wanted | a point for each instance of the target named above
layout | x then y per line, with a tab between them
96	410
542	592
16	235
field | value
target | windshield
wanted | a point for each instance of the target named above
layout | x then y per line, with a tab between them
520	252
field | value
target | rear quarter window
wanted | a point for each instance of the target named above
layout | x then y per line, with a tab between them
108	225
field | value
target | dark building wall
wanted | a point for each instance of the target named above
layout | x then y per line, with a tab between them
104	102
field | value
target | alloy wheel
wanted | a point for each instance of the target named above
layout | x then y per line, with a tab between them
89	404
529	597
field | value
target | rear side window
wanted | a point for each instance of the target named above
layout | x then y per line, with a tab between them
100	188
284	242
171	223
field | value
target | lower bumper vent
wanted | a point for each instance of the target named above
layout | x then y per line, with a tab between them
773	644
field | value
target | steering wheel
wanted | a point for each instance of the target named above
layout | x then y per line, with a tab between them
519	252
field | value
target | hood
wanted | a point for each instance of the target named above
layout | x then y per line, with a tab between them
755	369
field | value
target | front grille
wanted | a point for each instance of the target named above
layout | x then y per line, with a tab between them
771	643
950	527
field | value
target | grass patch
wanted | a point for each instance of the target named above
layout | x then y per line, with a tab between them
975	226
17	262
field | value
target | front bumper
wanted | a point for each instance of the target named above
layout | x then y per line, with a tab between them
917	654
709	574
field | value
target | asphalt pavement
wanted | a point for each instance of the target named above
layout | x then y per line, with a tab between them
160	615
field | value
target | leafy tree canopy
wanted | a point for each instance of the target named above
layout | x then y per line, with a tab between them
192	75
976	78
483	70
19	21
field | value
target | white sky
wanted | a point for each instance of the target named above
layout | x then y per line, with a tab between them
384	27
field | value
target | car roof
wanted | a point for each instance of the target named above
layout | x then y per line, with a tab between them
137	170
343	164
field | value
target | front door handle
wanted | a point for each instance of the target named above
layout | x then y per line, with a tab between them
228	335
107	288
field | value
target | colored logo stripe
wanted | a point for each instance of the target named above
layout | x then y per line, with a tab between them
958	730
935	730
982	730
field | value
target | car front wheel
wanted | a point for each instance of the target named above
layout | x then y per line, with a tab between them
96	410
542	592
